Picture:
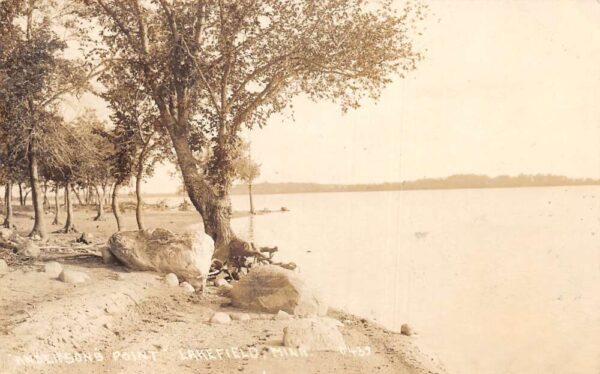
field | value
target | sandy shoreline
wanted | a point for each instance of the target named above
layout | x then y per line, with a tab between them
131	322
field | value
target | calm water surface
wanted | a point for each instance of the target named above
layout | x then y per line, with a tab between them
495	281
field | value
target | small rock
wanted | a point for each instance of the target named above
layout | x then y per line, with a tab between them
72	276
6	233
241	317
3	267
282	316
120	276
220	282
28	249
171	280
220	317
53	268
187	288
405	329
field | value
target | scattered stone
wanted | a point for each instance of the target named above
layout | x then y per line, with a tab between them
86	238
220	282
120	276
225	290
28	248
189	255
72	276
171	280
188	288
405	329
107	256
241	317
3	266
220	317
271	289
282	316
53	268
314	335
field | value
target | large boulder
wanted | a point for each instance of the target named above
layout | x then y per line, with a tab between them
313	334
271	289
188	256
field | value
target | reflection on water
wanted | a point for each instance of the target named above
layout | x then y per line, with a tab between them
494	281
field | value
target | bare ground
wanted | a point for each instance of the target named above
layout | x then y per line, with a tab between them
131	322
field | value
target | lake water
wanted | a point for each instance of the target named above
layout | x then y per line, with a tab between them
494	281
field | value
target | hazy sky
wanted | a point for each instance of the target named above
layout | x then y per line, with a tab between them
506	87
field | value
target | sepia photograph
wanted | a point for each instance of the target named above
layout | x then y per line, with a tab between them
300	186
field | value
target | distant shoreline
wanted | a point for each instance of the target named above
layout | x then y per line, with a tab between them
453	182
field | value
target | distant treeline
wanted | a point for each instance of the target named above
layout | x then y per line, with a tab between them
451	182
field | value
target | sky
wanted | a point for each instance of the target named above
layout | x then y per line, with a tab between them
506	87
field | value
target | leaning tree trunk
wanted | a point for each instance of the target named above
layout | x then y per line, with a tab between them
115	205
100	215
215	210
39	226
56	207
8	220
138	195
251	200
76	195
69	226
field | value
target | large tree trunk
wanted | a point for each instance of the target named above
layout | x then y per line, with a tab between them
100	215
8	220
215	210
115	205
56	206
138	195
251	200
39	226
69	226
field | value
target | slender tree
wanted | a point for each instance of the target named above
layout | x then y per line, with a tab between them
212	67
247	171
36	78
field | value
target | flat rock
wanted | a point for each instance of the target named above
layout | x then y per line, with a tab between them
53	268
3	267
187	288
220	282
172	280
221	318
271	289
240	317
313	334
72	276
189	256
